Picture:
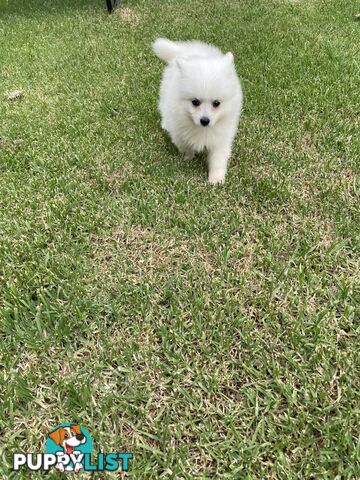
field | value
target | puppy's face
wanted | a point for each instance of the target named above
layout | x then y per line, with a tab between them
68	437
204	111
206	88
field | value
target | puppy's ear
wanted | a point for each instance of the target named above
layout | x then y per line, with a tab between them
56	436
229	57
76	429
181	64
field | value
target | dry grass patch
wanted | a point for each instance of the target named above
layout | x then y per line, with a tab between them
130	16
143	252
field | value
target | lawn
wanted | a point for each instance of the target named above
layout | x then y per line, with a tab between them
211	331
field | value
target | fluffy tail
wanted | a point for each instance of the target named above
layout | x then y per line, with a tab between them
166	49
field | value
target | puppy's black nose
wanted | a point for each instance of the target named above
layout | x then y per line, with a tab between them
204	121
79	436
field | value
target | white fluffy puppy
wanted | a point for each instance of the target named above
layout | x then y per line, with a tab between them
200	101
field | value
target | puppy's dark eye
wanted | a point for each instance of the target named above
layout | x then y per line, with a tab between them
216	103
66	435
195	102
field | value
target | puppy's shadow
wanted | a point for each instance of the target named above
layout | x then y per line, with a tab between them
175	161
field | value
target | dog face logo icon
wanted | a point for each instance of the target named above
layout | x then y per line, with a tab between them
69	442
68	437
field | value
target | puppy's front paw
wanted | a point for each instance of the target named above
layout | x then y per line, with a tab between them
189	155
217	177
78	467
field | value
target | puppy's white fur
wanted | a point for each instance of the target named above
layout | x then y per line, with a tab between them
198	71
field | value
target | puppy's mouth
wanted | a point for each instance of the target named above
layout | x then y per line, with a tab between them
69	449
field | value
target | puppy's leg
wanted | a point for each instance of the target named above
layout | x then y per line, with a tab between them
218	158
189	154
187	151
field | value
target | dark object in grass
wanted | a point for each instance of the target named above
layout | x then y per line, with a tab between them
357	16
112	4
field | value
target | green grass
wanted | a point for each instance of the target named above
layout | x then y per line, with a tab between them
211	331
